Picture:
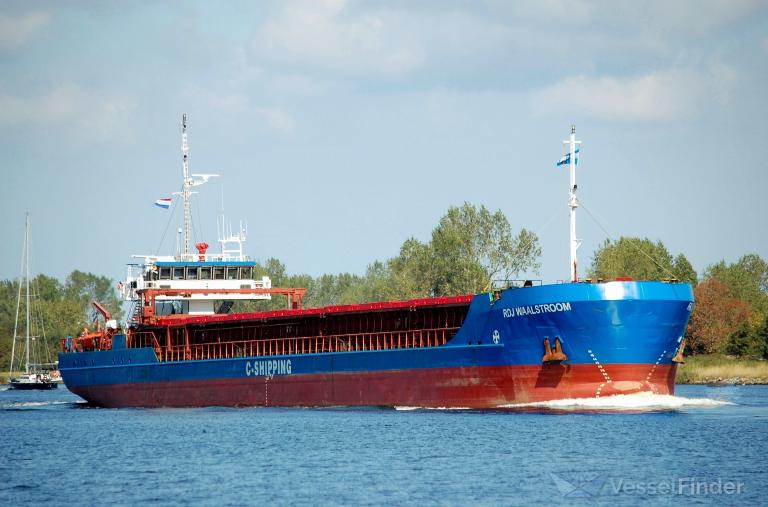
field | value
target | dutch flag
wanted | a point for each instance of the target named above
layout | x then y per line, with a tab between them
566	160
164	202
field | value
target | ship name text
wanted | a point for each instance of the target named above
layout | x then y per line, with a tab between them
522	311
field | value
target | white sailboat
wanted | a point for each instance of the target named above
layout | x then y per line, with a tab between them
35	375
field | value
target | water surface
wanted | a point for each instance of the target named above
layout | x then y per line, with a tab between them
693	448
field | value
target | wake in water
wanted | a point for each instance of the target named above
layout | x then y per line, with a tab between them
21	405
408	408
639	402
622	403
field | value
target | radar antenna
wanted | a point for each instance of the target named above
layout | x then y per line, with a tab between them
188	182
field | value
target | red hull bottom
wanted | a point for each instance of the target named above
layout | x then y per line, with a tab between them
473	387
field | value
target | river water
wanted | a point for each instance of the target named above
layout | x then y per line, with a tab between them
705	446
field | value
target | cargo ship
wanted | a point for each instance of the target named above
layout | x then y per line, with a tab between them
184	346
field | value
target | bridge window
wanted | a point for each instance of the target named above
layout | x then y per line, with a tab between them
178	273
171	308
165	273
246	273
218	273
231	273
192	273
205	273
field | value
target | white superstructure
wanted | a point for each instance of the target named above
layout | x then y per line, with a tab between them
229	270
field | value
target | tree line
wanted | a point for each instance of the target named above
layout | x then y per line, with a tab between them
57	308
469	249
731	311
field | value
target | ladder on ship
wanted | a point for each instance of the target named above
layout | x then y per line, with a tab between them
134	312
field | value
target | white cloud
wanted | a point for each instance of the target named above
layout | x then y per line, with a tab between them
659	95
547	11
314	43
277	119
668	19
86	112
16	30
224	102
686	17
322	34
237	103
295	84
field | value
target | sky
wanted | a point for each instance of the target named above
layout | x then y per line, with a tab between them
342	128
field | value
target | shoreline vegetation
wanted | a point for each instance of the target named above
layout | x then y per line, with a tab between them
720	369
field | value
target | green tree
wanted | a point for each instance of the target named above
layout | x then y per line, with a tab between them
746	342
87	287
278	275
375	285
471	247
411	273
275	270
8	295
748	280
641	259
338	289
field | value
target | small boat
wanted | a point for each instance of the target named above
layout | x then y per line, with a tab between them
35	376
30	381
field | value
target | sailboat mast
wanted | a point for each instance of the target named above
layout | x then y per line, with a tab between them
18	305
26	279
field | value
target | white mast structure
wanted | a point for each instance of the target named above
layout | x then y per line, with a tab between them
26	277
25	274
573	203
189	182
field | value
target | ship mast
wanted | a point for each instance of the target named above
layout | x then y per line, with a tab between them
186	186
573	203
190	180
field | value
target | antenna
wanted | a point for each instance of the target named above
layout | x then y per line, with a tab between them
223	233
188	182
573	203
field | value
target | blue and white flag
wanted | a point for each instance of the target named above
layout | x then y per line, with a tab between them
164	202
566	160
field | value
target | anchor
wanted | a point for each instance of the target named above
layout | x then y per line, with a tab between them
553	355
679	356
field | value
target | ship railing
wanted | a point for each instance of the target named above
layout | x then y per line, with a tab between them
353	342
143	339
